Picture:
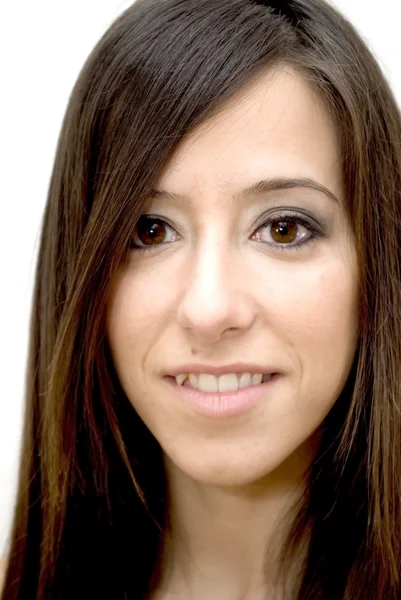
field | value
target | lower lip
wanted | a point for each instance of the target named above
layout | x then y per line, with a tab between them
223	404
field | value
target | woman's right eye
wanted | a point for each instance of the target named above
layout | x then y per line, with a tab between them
151	232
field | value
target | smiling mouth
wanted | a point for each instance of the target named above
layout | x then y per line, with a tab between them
221	396
229	382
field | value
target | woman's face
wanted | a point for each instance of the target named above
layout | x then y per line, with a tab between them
229	279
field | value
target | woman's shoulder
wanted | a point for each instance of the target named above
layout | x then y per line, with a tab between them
3	567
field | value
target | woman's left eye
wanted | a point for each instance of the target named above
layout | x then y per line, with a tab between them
286	232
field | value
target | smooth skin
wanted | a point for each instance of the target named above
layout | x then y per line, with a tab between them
217	287
3	567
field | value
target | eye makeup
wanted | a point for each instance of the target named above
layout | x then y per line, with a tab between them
286	221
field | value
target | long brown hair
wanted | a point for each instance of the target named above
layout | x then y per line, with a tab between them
90	507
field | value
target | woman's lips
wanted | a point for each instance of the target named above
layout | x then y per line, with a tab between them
222	404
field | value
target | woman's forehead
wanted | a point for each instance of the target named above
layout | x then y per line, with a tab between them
276	126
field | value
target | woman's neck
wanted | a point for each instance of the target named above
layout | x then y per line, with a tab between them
225	542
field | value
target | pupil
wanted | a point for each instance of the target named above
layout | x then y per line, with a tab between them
153	231
150	231
285	231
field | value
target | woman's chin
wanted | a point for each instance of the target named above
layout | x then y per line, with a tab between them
225	473
227	467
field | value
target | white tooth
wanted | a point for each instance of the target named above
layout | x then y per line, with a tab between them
194	381
208	383
257	379
181	378
245	380
228	383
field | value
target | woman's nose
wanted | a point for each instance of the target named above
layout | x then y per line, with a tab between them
216	299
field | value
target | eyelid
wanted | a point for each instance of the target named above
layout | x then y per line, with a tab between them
302	214
154	219
315	230
291	218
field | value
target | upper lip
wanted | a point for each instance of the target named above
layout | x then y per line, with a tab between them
218	370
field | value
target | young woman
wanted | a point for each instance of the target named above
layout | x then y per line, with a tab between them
213	400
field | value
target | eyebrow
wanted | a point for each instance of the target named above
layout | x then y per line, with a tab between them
258	189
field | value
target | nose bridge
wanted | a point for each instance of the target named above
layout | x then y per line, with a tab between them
211	274
213	300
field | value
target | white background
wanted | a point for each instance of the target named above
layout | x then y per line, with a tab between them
43	45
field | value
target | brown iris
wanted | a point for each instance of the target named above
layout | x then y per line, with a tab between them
150	231
284	232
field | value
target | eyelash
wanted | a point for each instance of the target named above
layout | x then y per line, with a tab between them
314	232
313	229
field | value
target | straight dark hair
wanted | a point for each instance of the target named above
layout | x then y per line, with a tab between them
90	508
